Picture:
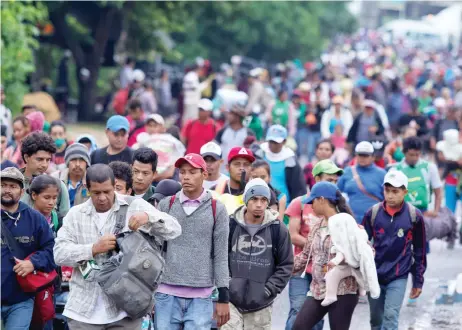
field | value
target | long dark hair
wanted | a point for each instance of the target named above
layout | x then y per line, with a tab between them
341	204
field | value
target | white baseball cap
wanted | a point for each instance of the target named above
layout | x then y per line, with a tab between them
211	149
370	104
205	104
396	179
157	118
138	75
364	148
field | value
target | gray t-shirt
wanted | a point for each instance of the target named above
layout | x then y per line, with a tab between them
365	122
252	228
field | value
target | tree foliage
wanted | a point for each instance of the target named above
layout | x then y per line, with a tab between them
18	41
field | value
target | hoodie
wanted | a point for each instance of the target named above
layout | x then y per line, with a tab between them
257	275
286	173
33	235
94	145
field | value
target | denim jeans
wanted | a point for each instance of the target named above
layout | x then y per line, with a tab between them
174	313
306	142
298	288
385	310
450	194
18	316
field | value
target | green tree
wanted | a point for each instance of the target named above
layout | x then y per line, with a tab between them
18	41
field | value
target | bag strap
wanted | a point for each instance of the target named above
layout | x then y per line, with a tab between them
220	188
361	186
412	212
121	216
55	221
375	210
275	231
11	242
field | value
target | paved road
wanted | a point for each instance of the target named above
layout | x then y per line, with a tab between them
443	266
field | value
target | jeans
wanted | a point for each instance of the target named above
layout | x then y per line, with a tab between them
174	313
298	288
306	142
385	310
450	194
18	316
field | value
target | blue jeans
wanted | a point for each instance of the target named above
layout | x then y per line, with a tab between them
450	194
385	310
174	313
298	288
18	316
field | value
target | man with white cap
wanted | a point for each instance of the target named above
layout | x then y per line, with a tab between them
397	230
199	131
260	259
362	182
211	152
192	90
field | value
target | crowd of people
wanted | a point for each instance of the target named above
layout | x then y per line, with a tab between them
248	189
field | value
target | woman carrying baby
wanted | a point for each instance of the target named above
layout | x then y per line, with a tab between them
343	262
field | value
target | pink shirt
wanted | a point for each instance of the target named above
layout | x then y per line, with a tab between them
189	206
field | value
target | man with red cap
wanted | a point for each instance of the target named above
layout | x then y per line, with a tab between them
196	261
239	161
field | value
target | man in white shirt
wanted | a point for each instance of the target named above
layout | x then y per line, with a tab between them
211	152
86	237
192	89
126	73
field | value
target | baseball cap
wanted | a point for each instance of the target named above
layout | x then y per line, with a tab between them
439	102
240	152
166	187
364	148
205	104
116	123
324	189
326	166
138	75
276	133
256	187
194	160
156	118
370	104
396	179
12	173
211	149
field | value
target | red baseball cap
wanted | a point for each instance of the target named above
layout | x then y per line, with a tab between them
194	160
240	152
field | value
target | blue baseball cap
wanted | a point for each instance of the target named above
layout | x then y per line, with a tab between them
116	123
276	133
322	189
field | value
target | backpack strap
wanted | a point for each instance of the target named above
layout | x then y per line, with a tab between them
55	221
275	233
412	212
121	217
220	188
375	210
170	204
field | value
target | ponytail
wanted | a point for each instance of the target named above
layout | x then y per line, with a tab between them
341	204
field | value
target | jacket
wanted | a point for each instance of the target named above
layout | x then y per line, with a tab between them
293	172
354	129
257	275
33	235
82	193
372	179
77	236
63	204
188	259
345	116
399	245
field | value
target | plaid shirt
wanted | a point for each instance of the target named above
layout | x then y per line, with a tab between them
79	232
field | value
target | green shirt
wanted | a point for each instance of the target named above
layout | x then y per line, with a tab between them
280	113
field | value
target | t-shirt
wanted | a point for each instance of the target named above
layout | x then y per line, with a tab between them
197	134
100	156
365	122
294	210
209	184
252	228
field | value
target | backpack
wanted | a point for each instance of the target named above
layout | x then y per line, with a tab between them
214	214
131	277
376	207
275	231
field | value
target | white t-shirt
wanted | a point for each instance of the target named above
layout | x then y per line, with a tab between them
210	184
99	315
140	196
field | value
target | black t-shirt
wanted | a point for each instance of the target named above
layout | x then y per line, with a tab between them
421	120
100	156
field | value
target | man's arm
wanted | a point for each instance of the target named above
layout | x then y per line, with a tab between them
419	250
220	251
285	263
436	184
42	259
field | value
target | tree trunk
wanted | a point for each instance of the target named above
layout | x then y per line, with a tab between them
87	95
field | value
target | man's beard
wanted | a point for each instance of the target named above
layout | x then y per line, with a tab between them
9	202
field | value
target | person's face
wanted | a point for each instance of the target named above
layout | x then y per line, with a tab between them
324	151
319	206
28	111
191	178
58	132
394	197
232	118
117	140
19	130
154	128
338	106
136	113
11	192
260	172
204	115
3	144
332	178
78	167
38	163
237	166
213	165
102	195
143	175
121	187
46	200
368	111
275	147
257	206
283	97
412	157
364	160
